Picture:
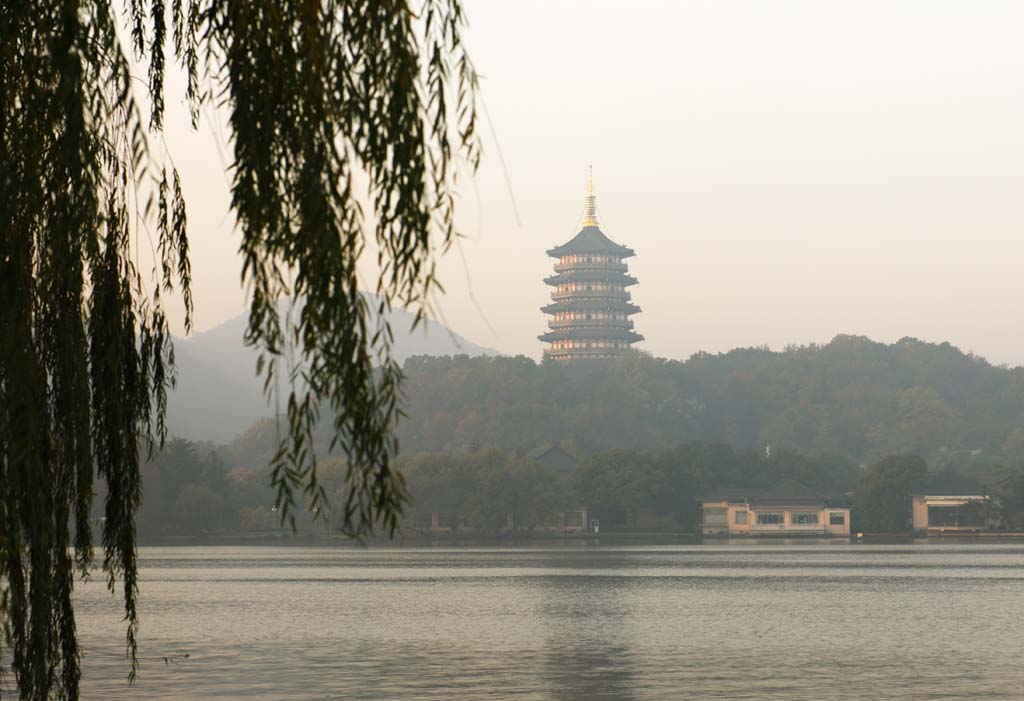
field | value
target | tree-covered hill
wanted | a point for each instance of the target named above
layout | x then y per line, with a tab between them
851	398
651	434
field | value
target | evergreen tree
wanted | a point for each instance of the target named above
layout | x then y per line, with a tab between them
883	495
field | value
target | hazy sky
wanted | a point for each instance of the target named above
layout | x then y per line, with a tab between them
786	171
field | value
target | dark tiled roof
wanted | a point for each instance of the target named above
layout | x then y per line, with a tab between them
840	501
789	493
590	240
731	494
948	485
555	458
786	493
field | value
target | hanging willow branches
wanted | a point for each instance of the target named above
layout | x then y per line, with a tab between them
330	104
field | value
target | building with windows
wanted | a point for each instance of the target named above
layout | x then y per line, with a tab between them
950	505
590	306
786	509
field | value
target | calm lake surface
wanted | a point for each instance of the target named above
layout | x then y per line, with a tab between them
759	621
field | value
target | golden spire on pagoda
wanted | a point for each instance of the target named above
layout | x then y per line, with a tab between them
590	211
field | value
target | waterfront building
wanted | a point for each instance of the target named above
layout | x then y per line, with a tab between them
953	505
590	306
785	509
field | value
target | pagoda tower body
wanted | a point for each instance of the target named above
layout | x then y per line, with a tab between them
590	306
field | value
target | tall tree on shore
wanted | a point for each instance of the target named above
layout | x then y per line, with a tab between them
883	495
320	96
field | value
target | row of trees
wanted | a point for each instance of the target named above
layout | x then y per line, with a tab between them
197	488
620	484
495	491
188	489
487	489
191	489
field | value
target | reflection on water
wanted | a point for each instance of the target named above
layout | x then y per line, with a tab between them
803	621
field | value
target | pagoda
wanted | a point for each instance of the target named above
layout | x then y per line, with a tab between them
591	307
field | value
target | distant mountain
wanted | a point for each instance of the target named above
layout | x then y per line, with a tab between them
218	394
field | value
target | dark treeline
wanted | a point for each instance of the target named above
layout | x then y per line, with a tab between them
193	488
626	489
190	490
851	398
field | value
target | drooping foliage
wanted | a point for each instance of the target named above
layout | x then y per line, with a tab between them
330	103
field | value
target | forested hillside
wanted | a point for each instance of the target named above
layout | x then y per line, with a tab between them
852	398
649	434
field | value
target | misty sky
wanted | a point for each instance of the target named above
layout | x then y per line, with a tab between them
786	171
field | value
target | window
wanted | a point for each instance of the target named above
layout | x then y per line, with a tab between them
740	517
835	519
770	519
715	517
805	518
573	519
970	515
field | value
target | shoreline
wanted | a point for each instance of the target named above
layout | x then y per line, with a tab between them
286	539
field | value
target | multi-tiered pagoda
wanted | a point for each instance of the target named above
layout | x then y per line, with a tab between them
591	308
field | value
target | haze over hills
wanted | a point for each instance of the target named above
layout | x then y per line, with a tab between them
851	400
218	394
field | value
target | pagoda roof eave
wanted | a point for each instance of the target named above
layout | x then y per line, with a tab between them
624	280
591	239
579	304
580	334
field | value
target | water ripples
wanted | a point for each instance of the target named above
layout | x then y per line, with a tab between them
720	622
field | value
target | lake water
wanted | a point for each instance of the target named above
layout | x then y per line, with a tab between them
757	621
